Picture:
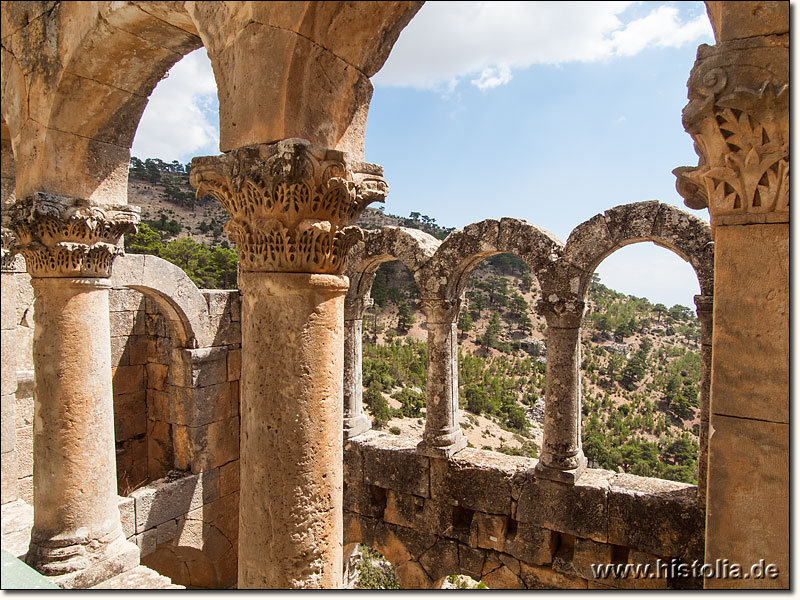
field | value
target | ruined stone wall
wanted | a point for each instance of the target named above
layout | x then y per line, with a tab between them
17	376
487	515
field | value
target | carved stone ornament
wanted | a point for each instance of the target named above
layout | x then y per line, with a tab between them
292	204
559	311
738	115
9	241
68	237
440	310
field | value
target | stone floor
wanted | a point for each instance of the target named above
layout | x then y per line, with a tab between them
17	521
140	578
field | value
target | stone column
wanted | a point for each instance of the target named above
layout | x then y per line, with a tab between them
69	247
705	308
291	207
442	436
738	116
355	421
561	458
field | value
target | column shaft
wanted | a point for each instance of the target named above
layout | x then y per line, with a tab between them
290	519
562	456
76	519
705	308
442	435
355	421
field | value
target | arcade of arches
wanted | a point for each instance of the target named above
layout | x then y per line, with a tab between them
237	415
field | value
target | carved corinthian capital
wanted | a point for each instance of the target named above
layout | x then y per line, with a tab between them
738	115
67	237
292	204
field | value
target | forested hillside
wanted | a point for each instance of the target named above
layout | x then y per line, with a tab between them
640	361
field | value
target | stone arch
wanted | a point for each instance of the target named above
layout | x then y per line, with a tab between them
671	228
447	273
102	72
314	61
412	247
173	292
663	224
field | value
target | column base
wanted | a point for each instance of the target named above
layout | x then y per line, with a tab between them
80	566
543	471
443	446
354	426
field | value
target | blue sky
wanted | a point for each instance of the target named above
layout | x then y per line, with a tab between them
549	112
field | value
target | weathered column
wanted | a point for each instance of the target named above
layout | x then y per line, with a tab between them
69	247
291	205
355	421
442	436
561	458
738	116
705	313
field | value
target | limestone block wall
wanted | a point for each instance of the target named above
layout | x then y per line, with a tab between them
17	382
487	515
138	354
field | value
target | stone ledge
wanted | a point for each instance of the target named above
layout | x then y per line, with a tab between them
169	498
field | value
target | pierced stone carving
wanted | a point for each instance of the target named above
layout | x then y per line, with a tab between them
67	237
738	115
292	204
9	241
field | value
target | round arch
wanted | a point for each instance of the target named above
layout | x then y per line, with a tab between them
449	269
174	293
663	224
412	247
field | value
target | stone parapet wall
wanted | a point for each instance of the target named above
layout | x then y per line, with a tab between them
486	515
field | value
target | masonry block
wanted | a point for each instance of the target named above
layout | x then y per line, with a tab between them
8	489
24	449
127	515
545	578
392	462
196	406
529	543
208	446
229	478
169	498
8	423
199	368
128	379
157	377
158	406
653	515
580	509
130	415
477	479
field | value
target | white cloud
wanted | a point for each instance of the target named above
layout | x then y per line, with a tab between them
662	28
491	77
180	120
449	41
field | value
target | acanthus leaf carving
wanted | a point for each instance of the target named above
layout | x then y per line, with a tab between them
738	115
292	204
68	237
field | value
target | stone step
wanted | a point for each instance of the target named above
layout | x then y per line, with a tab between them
139	578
